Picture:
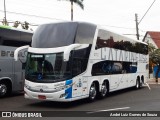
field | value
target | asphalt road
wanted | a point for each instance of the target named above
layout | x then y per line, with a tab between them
144	99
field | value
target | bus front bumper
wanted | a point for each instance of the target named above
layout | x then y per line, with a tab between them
56	96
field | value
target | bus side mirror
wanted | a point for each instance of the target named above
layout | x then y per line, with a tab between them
17	51
67	51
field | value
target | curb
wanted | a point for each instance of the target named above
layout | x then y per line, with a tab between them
153	81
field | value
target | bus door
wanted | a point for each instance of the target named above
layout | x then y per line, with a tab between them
77	81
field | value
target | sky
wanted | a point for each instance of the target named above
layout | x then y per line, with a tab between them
115	15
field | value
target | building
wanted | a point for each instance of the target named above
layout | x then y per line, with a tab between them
152	37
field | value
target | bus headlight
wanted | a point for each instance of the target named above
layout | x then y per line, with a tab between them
60	88
63	87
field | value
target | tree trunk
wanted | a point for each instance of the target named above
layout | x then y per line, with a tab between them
71	10
157	73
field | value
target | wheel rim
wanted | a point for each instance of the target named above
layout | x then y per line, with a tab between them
103	90
3	89
92	92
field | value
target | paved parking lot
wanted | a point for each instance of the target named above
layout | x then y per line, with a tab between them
145	99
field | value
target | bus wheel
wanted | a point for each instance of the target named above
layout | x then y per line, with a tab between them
3	89
92	92
104	90
138	84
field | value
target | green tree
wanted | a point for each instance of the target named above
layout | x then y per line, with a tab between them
16	24
151	48
25	25
78	2
5	22
154	56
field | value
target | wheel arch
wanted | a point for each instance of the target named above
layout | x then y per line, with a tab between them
97	84
138	77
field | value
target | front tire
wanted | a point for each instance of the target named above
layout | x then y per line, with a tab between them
3	90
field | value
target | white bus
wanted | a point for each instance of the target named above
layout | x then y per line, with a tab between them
11	72
75	60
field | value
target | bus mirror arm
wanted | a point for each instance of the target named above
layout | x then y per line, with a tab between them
17	51
68	49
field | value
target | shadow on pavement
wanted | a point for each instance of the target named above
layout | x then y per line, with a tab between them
12	95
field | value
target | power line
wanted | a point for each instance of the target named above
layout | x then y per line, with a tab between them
33	15
134	35
147	11
117	26
55	19
144	36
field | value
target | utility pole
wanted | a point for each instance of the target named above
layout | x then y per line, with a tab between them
137	29
5	19
136	19
71	10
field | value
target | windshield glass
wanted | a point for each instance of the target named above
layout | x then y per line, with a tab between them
46	67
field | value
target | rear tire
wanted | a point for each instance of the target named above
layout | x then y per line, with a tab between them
104	90
138	84
92	92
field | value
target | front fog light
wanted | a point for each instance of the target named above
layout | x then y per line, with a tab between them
63	95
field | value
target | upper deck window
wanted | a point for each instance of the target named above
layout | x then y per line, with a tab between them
111	40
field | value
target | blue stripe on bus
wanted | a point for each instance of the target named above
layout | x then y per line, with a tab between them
68	91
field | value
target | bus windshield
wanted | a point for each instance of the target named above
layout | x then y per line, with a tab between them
46	67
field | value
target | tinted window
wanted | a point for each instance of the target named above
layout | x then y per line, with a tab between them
85	33
14	38
104	40
14	43
111	40
113	67
80	60
77	66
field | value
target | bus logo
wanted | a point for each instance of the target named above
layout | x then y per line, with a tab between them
41	90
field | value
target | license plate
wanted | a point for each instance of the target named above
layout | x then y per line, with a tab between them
42	97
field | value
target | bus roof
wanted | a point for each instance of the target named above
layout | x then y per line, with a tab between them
63	34
9	34
66	33
100	27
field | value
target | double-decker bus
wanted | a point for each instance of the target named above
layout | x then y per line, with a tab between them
75	60
11	72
